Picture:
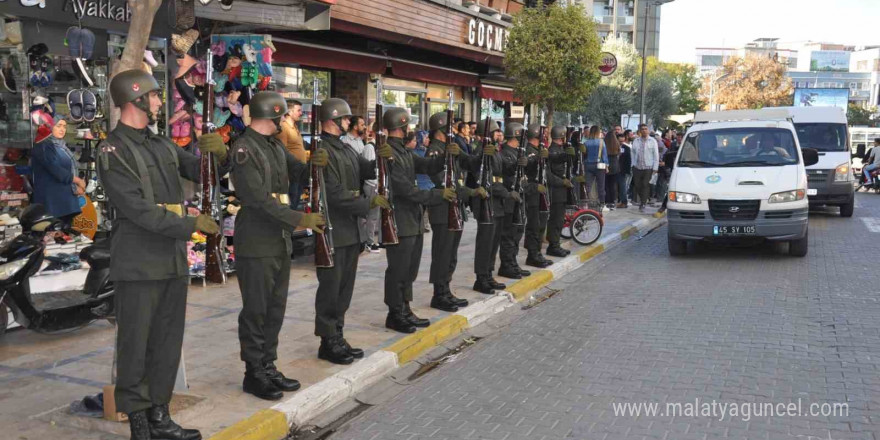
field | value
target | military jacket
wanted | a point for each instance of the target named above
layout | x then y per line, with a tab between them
263	170
342	179
407	197
439	214
508	156
556	173
148	242
497	190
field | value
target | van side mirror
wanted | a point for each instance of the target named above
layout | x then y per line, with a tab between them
811	156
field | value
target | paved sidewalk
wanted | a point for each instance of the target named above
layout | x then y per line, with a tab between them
41	374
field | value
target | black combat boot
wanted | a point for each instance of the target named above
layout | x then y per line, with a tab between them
257	382
444	303
413	319
524	273
483	285
495	284
509	272
278	379
162	427
557	251
332	350
397	321
460	302
356	353
538	261
139	425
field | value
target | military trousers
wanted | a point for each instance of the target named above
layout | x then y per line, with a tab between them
335	289
536	223
555	222
484	257
150	317
510	237
264	283
444	253
403	269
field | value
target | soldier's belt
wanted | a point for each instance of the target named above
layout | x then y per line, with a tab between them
498	179
356	193
176	208
283	198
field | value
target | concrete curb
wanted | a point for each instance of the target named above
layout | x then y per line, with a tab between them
308	404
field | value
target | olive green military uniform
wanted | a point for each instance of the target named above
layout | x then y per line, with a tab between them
263	171
140	172
484	257
508	243
444	243
536	221
346	206
555	177
404	258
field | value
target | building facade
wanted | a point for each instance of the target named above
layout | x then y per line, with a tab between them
626	19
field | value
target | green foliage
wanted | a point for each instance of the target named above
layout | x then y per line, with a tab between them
552	54
629	65
687	86
856	115
606	104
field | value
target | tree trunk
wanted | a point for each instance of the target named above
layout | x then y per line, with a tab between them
551	109
142	14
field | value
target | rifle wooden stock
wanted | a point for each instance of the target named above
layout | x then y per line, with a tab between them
454	220
317	199
387	223
214	271
485	215
570	193
519	208
543	198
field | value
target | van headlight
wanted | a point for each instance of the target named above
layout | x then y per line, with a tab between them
11	268
681	197
788	196
843	173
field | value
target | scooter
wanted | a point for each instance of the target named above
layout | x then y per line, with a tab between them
48	312
875	185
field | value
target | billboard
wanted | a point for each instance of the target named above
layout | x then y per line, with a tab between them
829	61
821	98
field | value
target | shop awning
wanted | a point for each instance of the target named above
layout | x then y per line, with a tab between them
432	74
497	93
308	55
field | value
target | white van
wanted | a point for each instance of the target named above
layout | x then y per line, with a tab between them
740	175
831	181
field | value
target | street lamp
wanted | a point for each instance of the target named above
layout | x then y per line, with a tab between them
644	56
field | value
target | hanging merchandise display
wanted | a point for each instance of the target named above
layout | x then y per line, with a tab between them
242	66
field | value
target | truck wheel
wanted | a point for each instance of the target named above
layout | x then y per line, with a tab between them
847	210
676	247
798	248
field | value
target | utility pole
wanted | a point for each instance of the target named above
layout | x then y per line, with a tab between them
642	89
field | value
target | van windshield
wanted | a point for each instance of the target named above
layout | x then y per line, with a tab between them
738	147
822	136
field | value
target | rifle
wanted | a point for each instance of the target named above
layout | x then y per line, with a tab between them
214	271
519	208
543	198
485	216
579	169
454	218
570	193
324	248
388	226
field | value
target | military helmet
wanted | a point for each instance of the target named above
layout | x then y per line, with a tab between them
513	130
129	85
395	117
267	105
334	108
533	131
438	122
557	132
481	127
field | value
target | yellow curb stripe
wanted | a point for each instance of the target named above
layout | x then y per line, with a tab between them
628	232
266	424
417	343
591	252
659	214
523	287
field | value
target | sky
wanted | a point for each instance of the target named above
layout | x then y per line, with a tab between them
687	24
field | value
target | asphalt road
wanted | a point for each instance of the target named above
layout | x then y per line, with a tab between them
724	343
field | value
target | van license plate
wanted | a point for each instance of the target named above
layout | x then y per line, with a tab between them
733	230
812	191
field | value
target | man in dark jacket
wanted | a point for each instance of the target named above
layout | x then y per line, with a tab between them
404	258
668	164
508	236
625	174
141	174
484	259
559	155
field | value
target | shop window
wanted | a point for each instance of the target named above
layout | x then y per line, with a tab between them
15	128
412	101
498	112
159	51
297	83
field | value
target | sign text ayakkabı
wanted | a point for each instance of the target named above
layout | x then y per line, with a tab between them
99	9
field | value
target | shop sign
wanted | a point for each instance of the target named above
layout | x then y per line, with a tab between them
608	64
517	111
99	9
486	35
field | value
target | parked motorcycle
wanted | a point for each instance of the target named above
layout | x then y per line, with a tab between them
23	256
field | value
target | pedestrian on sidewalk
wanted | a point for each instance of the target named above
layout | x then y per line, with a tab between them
596	165
263	228
346	206
444	243
370	187
419	147
625	174
613	146
148	268
463	138
292	140
409	203
668	164
646	160
354	139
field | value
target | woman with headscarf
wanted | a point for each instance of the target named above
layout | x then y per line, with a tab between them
56	183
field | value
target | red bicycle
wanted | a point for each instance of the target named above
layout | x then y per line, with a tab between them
582	224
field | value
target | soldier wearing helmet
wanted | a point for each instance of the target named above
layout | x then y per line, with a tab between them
536	222
559	155
506	239
409	203
141	174
263	171
484	259
346	207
